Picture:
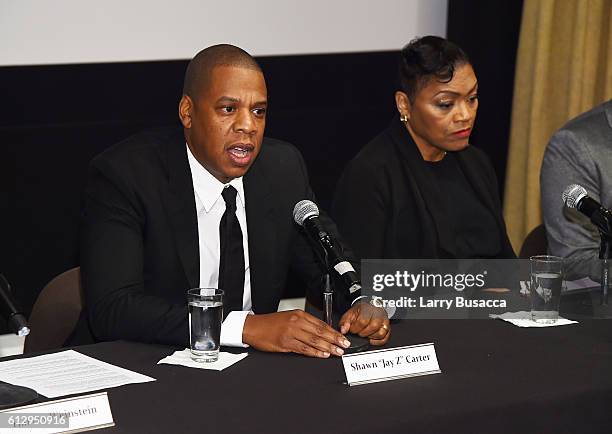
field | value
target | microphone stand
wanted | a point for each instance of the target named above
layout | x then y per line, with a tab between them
12	395
358	343
604	255
328	301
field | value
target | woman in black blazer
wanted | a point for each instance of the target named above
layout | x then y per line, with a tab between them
418	190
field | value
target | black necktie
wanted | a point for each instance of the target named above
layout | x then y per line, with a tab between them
231	261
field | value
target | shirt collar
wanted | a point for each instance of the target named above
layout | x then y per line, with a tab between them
207	188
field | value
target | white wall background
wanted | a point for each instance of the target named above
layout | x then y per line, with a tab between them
36	32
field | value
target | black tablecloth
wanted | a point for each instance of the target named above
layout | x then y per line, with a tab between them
495	378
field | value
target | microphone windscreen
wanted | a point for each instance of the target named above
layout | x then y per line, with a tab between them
572	195
303	210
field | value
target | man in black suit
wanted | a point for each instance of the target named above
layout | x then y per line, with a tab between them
157	206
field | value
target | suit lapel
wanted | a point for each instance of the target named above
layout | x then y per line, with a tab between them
425	184
608	110
261	233
181	209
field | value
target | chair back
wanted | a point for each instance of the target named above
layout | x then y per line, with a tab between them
535	243
56	312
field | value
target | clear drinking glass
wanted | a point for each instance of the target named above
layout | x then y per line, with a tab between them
546	284
205	317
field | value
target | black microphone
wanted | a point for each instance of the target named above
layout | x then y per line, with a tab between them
8	309
306	214
576	196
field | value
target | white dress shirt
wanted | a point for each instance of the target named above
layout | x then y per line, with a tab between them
210	207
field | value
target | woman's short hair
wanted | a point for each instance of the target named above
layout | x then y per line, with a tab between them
423	59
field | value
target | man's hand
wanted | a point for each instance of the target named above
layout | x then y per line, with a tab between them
293	331
367	321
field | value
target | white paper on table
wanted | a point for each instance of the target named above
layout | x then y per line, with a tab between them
66	373
586	282
523	319
568	285
183	358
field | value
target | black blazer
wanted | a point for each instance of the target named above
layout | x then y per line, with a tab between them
140	253
386	203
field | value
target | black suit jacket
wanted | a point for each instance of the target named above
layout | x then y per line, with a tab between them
387	202
140	252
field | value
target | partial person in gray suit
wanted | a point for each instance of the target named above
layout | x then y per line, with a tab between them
579	153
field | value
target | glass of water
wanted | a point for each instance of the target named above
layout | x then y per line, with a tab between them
205	318
546	284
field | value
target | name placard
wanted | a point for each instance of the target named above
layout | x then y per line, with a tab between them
390	364
70	415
